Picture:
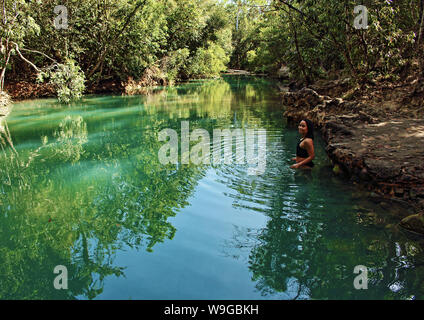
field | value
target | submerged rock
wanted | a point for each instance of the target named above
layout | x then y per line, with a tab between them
414	223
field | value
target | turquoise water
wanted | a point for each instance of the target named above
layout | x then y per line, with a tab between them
83	187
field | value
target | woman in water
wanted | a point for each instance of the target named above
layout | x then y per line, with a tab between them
305	148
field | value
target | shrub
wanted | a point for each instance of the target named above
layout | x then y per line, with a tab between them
209	62
68	80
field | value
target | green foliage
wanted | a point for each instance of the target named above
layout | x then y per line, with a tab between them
209	62
68	80
176	63
313	38
389	44
19	21
119	40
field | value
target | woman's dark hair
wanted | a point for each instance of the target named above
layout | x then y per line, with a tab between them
310	126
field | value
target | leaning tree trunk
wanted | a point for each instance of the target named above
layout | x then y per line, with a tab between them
419	41
6	56
299	54
3	72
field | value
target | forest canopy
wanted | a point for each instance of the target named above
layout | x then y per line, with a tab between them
76	44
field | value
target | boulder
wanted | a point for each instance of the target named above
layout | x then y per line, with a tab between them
303	98
414	223
283	72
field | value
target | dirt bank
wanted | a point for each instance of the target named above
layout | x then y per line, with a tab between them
373	137
22	90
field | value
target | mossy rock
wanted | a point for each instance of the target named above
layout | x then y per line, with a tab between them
412	249
414	223
336	169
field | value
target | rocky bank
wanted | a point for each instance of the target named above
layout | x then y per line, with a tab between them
377	145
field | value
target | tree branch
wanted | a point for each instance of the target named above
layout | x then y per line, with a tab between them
4	13
113	41
421	25
23	58
326	30
43	54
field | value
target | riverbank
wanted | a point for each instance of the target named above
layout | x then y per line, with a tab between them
22	90
374	136
30	89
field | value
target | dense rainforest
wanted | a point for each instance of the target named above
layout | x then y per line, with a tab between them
76	45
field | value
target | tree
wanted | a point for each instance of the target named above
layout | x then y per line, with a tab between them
16	25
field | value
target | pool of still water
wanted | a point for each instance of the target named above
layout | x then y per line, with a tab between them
85	189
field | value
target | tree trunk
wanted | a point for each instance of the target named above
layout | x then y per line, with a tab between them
6	55
419	46
115	39
299	54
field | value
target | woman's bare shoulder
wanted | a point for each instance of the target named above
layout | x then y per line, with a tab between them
308	141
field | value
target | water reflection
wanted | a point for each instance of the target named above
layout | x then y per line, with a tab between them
86	182
80	214
81	184
315	236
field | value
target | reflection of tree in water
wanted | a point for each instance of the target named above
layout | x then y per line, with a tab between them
75	199
93	187
72	203
70	137
308	249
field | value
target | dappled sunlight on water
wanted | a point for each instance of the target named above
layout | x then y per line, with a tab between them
85	189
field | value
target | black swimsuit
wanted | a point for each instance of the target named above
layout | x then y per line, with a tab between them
302	153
